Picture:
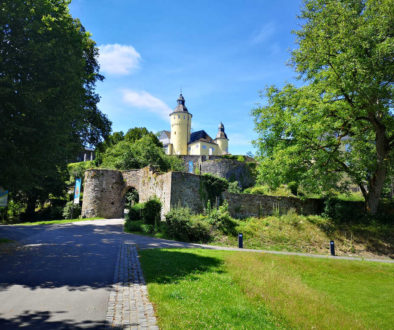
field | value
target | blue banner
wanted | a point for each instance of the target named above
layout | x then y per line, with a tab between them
77	190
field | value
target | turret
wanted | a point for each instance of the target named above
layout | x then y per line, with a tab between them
222	140
181	121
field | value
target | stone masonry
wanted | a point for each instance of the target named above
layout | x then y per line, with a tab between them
246	205
104	192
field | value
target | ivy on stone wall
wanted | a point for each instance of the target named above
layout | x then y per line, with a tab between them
211	188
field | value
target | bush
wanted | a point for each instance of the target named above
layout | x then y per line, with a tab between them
133	225
151	212
135	212
233	187
71	210
220	219
212	187
258	190
266	190
182	225
52	212
341	211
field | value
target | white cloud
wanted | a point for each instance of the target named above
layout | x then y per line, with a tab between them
144	100
118	59
265	33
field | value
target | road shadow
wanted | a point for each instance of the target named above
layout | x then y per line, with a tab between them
42	320
75	257
166	266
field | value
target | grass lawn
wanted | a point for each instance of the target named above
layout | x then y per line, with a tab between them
51	222
199	289
5	240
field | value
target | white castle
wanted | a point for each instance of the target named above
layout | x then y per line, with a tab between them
180	141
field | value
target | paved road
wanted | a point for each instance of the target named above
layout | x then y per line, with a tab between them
62	275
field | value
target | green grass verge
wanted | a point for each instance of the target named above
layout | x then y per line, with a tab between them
198	289
51	222
5	240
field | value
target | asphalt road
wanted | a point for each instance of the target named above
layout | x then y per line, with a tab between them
61	275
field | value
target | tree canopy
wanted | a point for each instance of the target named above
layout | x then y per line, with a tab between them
48	104
338	127
136	149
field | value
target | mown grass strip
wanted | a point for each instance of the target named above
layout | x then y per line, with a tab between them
191	289
220	289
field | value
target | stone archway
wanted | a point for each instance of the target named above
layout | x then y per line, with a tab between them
130	197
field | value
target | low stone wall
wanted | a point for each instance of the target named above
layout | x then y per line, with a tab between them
247	205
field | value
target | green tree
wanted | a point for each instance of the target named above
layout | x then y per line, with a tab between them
48	111
338	127
143	152
136	133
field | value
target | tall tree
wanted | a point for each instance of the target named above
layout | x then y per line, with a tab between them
339	126
48	105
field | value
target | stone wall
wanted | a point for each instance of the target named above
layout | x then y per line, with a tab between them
247	205
102	195
230	169
104	190
185	191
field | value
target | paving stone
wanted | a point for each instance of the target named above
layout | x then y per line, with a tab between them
128	305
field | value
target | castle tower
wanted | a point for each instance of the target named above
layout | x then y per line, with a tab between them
181	122
222	140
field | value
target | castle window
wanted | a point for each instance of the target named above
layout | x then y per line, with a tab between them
179	116
204	147
184	117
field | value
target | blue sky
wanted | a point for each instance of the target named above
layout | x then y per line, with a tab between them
221	53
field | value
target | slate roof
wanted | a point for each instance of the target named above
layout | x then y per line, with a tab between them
221	134
200	136
181	107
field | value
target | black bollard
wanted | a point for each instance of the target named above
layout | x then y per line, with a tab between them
240	241
332	248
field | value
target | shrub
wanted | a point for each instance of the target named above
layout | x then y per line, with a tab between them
293	186
182	225
148	229
212	187
233	187
71	210
135	212
342	211
220	219
258	190
151	212
133	225
266	190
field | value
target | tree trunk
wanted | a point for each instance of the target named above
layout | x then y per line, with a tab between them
376	182
375	190
30	208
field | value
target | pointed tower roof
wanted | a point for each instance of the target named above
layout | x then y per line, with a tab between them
221	134
181	104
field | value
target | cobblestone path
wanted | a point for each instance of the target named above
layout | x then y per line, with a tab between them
128	306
